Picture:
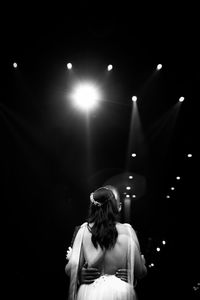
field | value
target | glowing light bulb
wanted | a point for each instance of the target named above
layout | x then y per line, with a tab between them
181	99
134	98
15	65
69	66
159	66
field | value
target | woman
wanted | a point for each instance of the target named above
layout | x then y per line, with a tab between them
108	245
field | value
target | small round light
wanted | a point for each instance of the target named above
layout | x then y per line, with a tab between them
110	67
181	99
69	66
159	66
134	98
15	65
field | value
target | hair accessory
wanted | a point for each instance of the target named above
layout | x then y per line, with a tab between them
94	201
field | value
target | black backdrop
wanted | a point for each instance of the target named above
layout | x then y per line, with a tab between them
51	161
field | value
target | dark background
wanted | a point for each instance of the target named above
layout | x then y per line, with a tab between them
51	159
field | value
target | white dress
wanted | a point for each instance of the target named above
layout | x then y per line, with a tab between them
106	287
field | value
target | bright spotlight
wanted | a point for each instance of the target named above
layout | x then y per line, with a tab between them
110	67
181	99
130	177
128	187
15	65
69	66
159	66
134	98
86	96
133	154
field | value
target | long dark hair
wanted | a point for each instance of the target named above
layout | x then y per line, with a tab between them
103	213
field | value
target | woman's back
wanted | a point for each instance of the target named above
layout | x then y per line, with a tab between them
108	261
119	250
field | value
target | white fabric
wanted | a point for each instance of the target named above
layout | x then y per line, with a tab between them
74	261
133	242
130	259
107	287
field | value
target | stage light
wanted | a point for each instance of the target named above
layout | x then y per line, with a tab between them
133	154
151	265
158	249
15	65
178	177
164	242
159	66
86	96
168	196
189	155
134	98
128	187
110	67
127	196
133	196
181	99
130	177
69	66
172	188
